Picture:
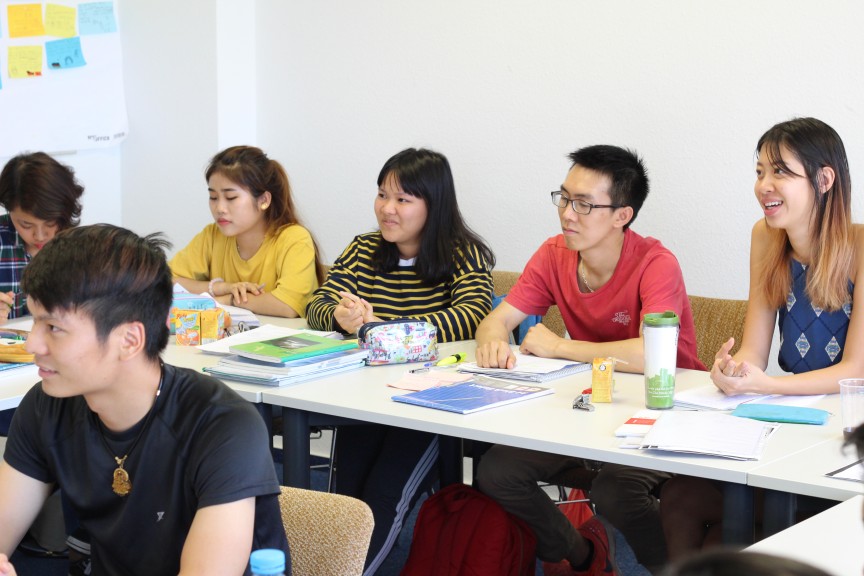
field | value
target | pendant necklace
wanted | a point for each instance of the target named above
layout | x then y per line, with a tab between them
122	484
582	275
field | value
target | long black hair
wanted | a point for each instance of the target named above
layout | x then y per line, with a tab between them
426	174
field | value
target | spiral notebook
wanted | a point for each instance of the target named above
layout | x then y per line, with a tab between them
530	368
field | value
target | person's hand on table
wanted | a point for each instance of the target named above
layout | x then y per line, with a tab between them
495	354
540	341
734	378
240	290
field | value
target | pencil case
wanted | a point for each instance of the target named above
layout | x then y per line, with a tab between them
786	414
399	341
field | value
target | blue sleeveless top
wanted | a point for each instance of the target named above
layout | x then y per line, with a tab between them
810	338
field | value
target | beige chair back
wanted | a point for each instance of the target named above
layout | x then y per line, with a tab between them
328	534
716	319
503	282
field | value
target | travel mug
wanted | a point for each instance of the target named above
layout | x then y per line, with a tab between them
660	337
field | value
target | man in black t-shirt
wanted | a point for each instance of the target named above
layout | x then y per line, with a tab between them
169	471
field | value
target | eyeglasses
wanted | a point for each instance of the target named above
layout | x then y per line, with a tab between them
579	206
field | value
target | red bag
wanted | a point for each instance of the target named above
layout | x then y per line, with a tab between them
577	512
461	532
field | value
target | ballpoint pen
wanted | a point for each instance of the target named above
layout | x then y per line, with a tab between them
424	368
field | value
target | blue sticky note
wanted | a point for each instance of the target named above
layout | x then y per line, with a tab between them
96	18
65	53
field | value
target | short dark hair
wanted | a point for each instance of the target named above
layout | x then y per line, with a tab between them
111	274
38	184
623	167
734	563
426	174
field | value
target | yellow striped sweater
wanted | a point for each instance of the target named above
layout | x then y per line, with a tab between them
455	306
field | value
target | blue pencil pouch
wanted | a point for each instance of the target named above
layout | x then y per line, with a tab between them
786	414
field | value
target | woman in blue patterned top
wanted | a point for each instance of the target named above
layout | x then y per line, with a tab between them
806	264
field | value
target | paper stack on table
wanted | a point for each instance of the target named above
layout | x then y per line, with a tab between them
709	433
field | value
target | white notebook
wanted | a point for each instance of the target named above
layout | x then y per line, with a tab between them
710	433
530	368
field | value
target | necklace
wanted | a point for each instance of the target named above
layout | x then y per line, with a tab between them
582	275
122	484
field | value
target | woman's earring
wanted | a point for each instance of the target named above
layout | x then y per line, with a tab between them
264	206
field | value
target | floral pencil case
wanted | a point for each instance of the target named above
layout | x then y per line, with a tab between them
399	341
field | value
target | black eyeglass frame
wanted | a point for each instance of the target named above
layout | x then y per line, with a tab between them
576	203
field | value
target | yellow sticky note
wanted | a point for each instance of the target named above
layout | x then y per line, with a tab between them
25	61
25	20
59	21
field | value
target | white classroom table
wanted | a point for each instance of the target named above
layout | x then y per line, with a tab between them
547	424
803	473
14	384
830	540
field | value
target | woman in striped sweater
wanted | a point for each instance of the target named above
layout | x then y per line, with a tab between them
423	263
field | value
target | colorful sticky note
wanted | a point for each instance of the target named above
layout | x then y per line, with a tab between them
96	18
64	53
25	20
25	61
59	21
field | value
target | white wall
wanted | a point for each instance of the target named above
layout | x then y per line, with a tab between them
505	88
169	58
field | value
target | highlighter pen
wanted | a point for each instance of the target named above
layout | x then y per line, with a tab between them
452	359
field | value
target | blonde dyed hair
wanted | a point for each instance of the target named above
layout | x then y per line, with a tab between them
816	145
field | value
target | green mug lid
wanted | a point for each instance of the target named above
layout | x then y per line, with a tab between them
668	318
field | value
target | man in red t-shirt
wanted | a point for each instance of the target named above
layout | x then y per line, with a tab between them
604	278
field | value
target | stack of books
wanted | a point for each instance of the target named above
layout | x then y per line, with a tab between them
288	360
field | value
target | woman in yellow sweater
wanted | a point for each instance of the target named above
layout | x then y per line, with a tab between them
257	255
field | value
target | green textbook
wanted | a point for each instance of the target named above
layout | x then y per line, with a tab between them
289	348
